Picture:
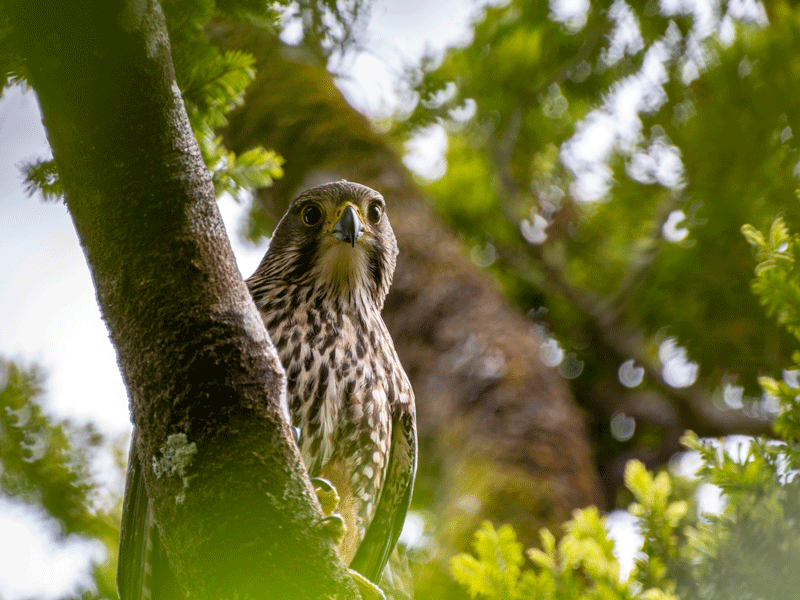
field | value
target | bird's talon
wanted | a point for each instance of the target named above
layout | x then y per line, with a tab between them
323	484
369	591
326	494
334	526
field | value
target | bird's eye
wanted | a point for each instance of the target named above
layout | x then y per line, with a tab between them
374	213
312	215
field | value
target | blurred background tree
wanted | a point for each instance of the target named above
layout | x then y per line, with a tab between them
601	160
746	549
605	166
46	464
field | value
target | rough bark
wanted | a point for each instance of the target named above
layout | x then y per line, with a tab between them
241	519
501	436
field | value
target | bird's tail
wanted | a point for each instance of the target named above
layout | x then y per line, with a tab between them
143	571
397	580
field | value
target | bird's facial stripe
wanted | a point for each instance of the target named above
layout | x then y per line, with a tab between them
303	260
377	267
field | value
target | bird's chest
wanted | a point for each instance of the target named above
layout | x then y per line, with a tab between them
337	391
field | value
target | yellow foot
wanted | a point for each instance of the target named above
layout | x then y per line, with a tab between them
334	526
326	494
369	591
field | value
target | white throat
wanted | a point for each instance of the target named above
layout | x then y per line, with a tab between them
342	271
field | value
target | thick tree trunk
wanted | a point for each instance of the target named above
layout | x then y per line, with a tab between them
236	513
501	436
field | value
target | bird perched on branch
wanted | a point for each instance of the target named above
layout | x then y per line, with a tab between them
320	289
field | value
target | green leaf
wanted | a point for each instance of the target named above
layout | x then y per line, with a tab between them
638	480
778	233
754	237
42	176
770	385
471	574
675	512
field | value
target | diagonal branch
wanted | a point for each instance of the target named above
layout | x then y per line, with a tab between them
622	340
605	316
233	505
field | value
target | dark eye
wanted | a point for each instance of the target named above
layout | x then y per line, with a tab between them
374	213
312	214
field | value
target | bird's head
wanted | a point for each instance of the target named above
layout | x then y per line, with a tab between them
335	238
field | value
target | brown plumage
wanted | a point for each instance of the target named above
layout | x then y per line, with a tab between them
320	289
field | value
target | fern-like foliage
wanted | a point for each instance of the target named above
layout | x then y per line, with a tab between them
45	464
212	83
42	176
580	566
749	550
777	285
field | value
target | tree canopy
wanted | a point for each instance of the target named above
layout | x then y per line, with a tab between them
603	168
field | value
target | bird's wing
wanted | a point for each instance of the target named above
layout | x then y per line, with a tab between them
390	514
143	571
135	536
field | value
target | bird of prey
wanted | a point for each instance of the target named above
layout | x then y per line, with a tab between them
320	289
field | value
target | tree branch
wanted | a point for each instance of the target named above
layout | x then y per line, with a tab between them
237	514
695	409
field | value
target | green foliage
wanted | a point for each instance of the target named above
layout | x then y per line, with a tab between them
212	83
495	573
658	519
45	463
531	100
42	176
657	253
777	286
581	565
750	550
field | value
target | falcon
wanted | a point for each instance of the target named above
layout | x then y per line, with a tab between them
320	289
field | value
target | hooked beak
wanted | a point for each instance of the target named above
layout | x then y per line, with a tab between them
349	227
